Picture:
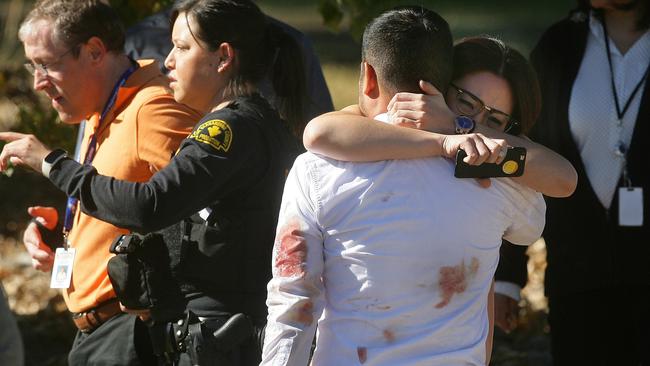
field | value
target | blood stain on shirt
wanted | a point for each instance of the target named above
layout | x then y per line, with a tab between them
362	352
453	280
389	335
387	197
305	313
292	252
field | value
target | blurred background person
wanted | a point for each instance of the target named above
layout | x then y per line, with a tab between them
593	69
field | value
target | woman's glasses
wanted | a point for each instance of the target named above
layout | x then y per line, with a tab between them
470	105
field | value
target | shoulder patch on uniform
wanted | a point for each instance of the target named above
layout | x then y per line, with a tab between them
215	132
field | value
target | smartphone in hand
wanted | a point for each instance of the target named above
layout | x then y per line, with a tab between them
512	166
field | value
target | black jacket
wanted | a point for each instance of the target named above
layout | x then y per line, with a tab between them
234	162
586	247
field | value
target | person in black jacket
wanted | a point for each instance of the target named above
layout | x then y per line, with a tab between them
217	201
593	69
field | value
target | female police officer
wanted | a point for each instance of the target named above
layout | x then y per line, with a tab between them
231	168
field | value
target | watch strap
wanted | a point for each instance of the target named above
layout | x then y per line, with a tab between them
53	158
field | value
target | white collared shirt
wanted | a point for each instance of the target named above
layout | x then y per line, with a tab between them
392	259
592	111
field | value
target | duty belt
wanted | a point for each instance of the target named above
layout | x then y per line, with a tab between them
89	320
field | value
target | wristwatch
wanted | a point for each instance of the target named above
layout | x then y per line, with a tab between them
51	159
464	125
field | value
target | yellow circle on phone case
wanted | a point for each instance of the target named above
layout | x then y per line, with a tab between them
510	167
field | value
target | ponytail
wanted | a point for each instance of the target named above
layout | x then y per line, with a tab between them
287	77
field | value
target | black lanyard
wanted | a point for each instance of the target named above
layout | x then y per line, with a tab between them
620	113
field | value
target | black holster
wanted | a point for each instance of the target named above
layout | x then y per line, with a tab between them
214	341
141	276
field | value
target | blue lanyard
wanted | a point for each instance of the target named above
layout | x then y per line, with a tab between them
72	204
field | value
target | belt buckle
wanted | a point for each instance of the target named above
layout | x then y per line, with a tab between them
91	322
95	318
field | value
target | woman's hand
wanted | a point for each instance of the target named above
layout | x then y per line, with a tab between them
427	111
479	148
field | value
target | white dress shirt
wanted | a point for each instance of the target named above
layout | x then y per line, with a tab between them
592	111
393	261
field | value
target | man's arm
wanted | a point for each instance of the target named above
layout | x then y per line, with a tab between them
295	293
510	277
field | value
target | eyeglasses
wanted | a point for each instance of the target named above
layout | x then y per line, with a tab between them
32	67
470	105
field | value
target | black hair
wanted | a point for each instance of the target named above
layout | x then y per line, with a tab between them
76	21
262	48
642	22
409	44
476	54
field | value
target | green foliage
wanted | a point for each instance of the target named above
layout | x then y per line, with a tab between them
359	12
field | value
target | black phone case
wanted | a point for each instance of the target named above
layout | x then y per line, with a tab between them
512	166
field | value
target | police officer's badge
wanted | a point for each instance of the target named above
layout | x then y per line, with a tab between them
215	133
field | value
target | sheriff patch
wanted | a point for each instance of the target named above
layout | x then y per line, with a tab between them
215	133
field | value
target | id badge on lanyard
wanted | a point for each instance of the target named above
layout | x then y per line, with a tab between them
630	199
62	268
630	206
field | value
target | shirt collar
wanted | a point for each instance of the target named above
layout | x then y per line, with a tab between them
596	28
597	32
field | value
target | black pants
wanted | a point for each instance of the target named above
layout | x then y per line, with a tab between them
242	356
601	327
122	340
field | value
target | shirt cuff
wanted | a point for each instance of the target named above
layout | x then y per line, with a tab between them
509	289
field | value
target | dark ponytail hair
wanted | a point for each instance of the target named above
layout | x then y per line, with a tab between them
262	49
476	54
288	77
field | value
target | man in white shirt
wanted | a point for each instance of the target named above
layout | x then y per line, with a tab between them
392	260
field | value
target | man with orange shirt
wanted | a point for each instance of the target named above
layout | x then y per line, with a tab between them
75	52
